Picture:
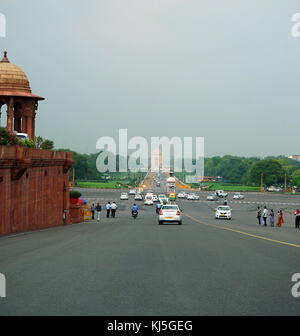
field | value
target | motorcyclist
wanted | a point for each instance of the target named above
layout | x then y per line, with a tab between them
157	207
134	208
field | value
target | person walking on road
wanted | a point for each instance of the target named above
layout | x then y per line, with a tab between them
297	219
258	216
272	217
98	211
113	209
93	209
265	215
108	207
280	220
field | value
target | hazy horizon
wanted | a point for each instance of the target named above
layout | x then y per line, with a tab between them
225	72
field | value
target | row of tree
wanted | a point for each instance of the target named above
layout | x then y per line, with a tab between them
233	169
249	171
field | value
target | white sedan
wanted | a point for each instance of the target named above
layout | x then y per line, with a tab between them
124	196
190	197
238	196
181	195
138	197
170	213
132	192
223	211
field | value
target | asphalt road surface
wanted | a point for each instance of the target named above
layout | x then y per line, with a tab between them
126	267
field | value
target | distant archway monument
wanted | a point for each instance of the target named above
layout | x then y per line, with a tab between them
34	183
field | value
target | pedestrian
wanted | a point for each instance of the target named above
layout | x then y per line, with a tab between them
107	206
93	209
280	220
272	217
265	215
225	201
98	211
258	216
113	209
297	219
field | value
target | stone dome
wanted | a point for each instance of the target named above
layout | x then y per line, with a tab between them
13	80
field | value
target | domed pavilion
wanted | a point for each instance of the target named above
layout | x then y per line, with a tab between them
16	94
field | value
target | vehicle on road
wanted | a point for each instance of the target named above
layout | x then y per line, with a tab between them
181	195
148	200
134	214
154	198
172	196
124	196
138	197
164	200
190	197
132	192
223	211
221	193
212	197
170	213
238	196
158	184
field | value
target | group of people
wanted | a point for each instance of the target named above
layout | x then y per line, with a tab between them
111	209
280	220
265	214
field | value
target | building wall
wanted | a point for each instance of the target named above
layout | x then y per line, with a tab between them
34	189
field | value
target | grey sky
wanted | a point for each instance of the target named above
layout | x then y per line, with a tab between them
225	70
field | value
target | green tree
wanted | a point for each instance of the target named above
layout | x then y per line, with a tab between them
272	170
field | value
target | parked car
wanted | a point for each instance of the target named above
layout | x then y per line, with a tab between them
170	213
22	136
212	197
238	196
223	211
124	196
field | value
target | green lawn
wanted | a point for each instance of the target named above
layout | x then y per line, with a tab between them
100	185
230	187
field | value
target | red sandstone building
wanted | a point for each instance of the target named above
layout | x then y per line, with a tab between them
34	183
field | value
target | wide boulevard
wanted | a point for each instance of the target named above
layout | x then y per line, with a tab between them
123	266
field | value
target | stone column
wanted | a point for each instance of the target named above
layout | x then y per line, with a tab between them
10	115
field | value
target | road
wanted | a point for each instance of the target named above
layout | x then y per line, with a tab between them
130	267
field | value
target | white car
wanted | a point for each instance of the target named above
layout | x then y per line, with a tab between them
163	200
212	197
221	193
181	195
154	198
223	211
22	136
196	197
124	196
138	197
148	201
238	196
190	197
170	213
132	192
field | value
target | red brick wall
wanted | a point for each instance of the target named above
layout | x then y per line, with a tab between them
37	199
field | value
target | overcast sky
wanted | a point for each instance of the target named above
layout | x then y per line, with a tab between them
225	70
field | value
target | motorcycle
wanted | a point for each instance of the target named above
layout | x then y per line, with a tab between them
134	214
